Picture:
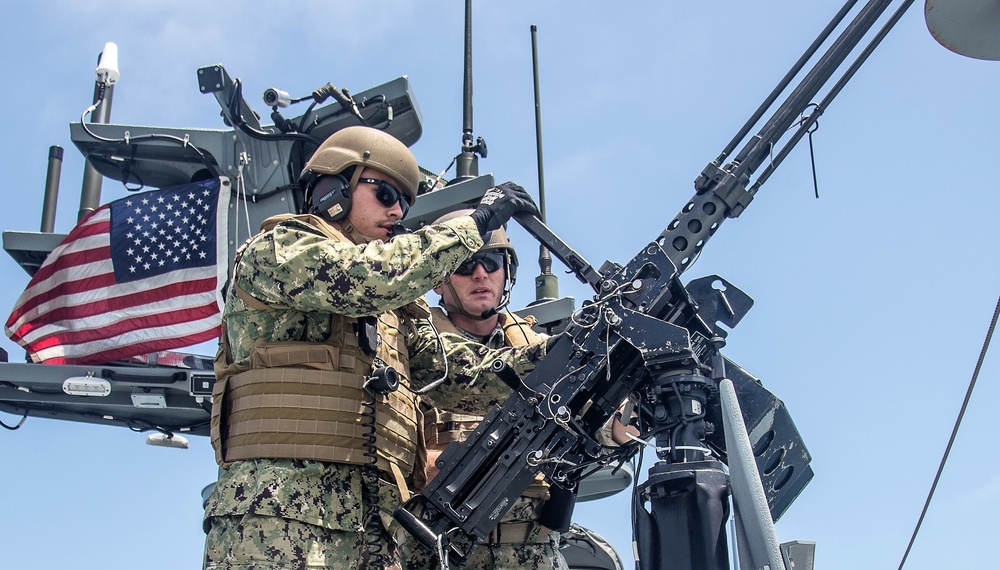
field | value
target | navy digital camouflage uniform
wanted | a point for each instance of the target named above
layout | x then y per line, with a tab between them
288	513
475	396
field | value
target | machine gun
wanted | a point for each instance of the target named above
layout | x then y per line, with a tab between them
647	334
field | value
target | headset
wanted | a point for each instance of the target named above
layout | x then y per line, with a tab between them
330	197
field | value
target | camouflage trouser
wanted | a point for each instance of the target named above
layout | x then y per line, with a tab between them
543	556
263	542
534	551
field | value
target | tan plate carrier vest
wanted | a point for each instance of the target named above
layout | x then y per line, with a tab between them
443	427
303	400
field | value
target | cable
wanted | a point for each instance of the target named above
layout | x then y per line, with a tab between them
372	555
129	140
382	381
954	431
234	109
19	424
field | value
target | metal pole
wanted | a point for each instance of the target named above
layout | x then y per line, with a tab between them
467	163
51	188
546	284
90	194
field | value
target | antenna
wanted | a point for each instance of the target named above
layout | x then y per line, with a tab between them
546	284
467	163
107	75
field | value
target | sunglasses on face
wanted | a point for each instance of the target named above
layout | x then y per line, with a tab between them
387	194
490	260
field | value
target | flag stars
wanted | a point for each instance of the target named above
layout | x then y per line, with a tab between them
165	231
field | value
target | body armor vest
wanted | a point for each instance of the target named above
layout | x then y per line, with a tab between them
443	427
303	400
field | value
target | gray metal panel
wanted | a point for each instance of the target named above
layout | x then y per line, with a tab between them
432	205
37	389
553	314
166	161
607	481
29	249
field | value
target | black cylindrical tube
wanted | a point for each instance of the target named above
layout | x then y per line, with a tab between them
51	188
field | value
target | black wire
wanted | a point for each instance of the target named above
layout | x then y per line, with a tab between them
954	431
234	112
134	424
637	504
154	136
302	121
19	424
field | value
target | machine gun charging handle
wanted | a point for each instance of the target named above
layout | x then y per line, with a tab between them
422	532
415	526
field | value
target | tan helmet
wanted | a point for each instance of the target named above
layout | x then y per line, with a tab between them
368	148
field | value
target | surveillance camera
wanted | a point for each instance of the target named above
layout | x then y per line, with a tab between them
276	98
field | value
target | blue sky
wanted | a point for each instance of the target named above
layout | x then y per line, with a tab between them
871	303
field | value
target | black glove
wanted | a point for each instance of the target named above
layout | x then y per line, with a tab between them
499	204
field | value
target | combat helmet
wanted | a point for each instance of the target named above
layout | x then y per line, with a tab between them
495	240
359	147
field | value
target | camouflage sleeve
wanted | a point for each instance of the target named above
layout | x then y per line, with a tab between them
299	269
469	387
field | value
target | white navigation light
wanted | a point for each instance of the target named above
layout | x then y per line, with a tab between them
164	440
86	386
107	67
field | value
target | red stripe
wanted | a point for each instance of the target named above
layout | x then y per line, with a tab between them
123	352
72	259
118	303
104	281
125	325
76	258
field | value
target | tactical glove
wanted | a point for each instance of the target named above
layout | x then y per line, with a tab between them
499	204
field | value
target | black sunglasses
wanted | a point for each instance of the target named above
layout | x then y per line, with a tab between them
490	260
388	195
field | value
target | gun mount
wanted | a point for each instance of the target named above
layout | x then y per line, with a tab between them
647	335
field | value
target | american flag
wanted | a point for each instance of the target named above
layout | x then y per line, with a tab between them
138	275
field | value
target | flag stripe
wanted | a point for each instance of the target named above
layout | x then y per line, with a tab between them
99	352
148	323
138	275
90	304
32	332
74	295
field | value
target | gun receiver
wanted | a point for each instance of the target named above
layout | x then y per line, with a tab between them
644	333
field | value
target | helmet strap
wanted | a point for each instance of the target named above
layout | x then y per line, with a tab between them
353	184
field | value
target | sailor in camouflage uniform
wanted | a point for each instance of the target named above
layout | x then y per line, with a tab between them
319	303
473	297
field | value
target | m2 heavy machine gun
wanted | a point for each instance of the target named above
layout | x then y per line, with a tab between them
648	335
